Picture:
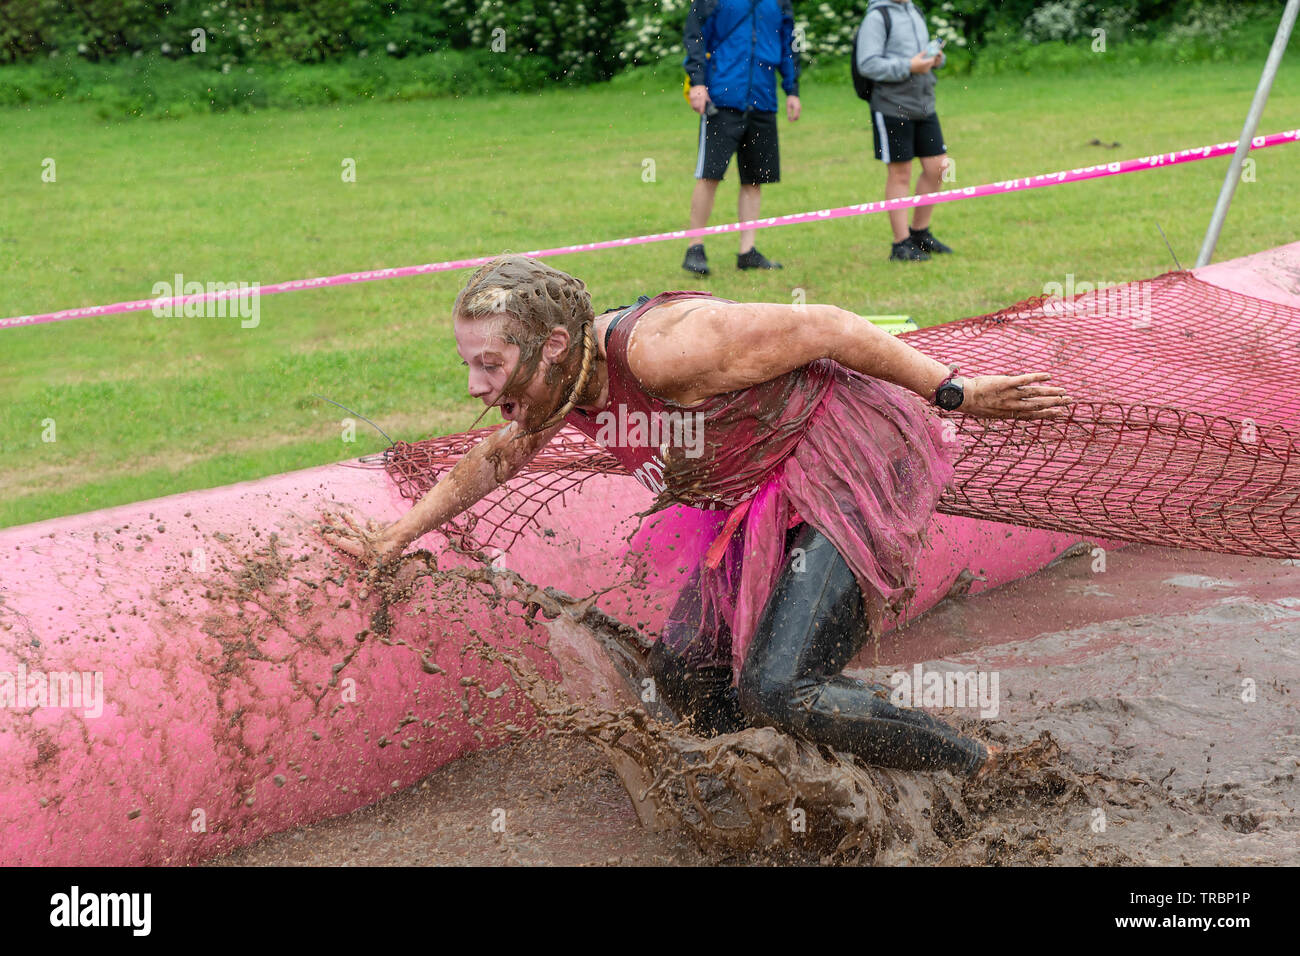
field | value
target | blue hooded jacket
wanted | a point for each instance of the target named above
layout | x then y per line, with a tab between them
747	41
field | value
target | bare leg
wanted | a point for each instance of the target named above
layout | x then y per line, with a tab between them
928	182
898	183
702	202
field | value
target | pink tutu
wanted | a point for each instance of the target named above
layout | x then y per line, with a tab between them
867	471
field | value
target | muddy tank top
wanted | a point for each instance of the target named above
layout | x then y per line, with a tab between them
713	454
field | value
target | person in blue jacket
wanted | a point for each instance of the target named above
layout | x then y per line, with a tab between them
733	50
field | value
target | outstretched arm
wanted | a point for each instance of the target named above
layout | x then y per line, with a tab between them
713	348
485	467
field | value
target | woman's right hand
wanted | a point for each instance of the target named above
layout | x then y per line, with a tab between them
922	63
373	544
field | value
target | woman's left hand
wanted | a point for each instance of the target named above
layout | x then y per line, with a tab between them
1013	396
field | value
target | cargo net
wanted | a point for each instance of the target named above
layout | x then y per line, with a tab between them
569	459
1185	432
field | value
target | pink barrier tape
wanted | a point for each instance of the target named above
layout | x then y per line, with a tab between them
861	209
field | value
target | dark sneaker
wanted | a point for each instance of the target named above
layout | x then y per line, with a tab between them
909	250
927	242
753	259
695	260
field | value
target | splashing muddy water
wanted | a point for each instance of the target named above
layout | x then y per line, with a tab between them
1129	740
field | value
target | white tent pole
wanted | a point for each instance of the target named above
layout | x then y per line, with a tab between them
1248	132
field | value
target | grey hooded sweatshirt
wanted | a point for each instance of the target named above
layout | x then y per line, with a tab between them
898	91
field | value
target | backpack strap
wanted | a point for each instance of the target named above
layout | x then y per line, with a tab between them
884	12
862	85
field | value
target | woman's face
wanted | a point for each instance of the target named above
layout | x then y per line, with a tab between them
492	361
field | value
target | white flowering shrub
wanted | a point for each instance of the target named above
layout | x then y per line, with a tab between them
527	44
828	30
1069	20
1063	20
573	40
946	24
653	30
1212	21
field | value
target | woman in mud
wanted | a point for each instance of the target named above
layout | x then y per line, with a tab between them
798	473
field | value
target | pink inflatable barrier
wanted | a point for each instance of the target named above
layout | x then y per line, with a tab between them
183	676
1272	275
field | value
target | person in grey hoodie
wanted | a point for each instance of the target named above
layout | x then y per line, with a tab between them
904	123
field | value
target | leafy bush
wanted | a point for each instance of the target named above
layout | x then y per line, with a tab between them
653	31
574	40
1213	21
1071	19
157	86
573	37
1182	40
172	57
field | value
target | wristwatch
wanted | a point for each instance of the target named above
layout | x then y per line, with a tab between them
950	394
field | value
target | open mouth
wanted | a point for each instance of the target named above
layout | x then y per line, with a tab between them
508	410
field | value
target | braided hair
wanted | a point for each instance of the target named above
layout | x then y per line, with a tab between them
535	299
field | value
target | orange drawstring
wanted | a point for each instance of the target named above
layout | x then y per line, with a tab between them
713	557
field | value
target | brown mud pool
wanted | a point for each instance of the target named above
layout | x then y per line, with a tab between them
1148	714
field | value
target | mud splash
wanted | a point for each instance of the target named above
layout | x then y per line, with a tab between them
760	793
1084	778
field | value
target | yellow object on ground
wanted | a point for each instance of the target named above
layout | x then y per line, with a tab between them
893	324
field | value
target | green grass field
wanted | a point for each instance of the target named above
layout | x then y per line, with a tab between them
146	406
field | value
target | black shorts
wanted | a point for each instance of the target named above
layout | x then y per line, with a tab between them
751	136
905	140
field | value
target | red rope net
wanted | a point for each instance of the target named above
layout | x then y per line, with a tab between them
569	459
1185	431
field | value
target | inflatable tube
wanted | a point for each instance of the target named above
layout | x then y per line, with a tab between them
1272	275
183	676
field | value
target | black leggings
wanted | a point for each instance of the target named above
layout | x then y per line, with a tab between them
812	626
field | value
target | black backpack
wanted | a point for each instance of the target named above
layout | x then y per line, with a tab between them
863	85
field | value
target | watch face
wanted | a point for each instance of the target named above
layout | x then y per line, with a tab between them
949	397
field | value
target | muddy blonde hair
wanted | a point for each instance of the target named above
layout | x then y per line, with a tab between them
535	299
